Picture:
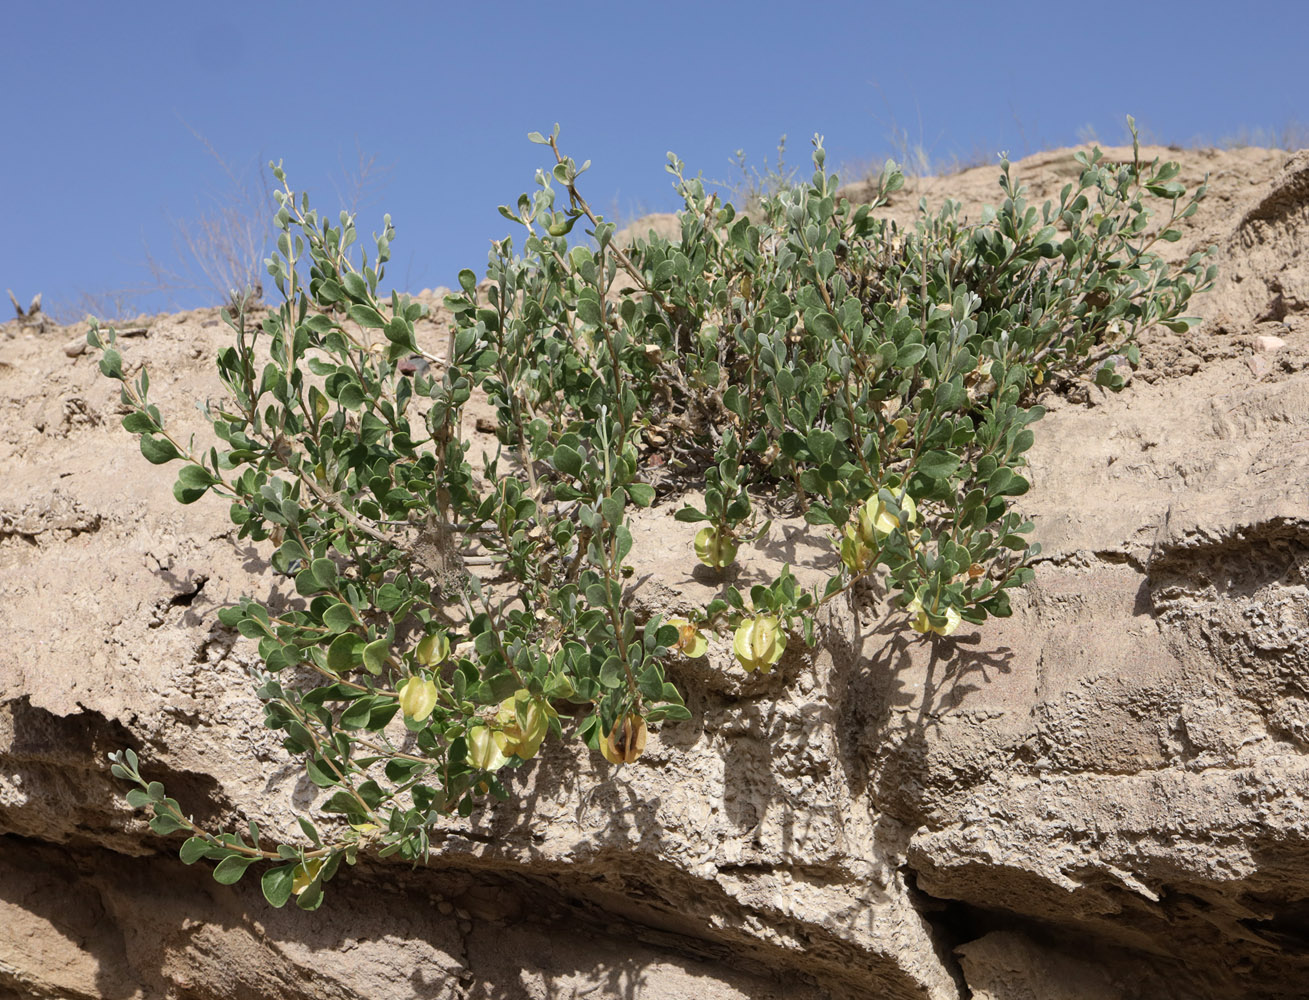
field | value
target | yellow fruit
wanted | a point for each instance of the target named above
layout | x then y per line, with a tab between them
417	698
714	548
562	687
691	642
876	520
855	552
483	751
433	649
952	621
921	623
759	643
522	723
305	874
626	741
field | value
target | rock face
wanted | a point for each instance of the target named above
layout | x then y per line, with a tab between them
1105	796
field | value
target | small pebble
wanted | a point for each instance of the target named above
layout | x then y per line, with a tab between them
1267	344
75	347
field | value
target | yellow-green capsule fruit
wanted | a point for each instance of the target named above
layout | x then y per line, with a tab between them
433	649
691	642
759	643
417	698
560	686
626	741
910	509
522	724
305	874
921	623
952	621
714	548
483	751
876	520
856	553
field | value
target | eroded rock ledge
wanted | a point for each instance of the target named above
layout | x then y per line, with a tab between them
1102	797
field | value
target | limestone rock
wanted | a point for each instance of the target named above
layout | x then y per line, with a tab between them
1106	795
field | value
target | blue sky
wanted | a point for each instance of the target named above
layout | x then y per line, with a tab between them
102	104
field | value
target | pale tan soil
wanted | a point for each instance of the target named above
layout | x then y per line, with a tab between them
1106	795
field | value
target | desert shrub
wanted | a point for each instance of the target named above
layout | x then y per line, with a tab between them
819	361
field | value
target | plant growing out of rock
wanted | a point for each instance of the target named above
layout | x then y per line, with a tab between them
815	359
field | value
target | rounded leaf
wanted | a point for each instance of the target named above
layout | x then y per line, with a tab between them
375	655
278	883
231	868
158	450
